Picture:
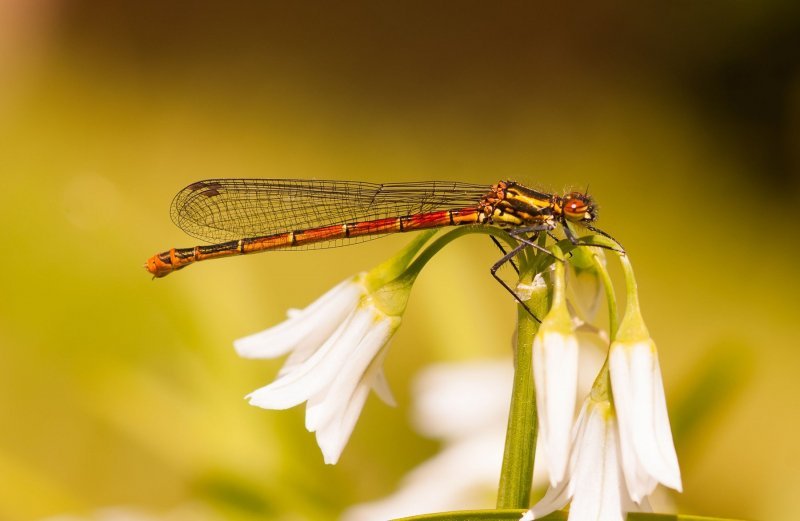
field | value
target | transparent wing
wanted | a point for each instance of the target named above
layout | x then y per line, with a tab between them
217	210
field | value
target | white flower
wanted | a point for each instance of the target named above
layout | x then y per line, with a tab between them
555	367
555	374
648	453
594	483
337	348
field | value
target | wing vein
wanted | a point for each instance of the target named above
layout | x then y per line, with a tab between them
217	210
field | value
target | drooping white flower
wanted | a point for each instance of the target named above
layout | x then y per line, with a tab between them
555	356
594	482
648	452
555	372
337	348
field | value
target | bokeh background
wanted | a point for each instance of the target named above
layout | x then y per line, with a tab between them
117	390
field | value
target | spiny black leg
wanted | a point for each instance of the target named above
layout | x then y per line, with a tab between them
532	229
497	265
604	234
519	235
577	242
511	261
570	236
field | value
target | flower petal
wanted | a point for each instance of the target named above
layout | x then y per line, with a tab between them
597	478
648	453
381	385
334	435
554	499
307	329
318	371
666	446
639	483
332	400
555	364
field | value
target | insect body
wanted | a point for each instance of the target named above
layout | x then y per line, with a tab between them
242	216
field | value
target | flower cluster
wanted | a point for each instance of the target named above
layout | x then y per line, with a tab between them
620	448
604	463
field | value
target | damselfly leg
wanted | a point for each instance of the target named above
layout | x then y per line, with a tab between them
497	265
606	235
500	247
576	241
520	234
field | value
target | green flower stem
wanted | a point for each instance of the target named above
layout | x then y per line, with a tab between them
390	282
516	474
444	240
392	295
630	282
611	299
632	328
392	268
559	280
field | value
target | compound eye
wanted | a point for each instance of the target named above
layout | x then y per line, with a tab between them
575	208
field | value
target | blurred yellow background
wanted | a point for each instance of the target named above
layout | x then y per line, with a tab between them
119	390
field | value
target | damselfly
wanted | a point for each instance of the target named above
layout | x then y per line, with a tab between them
244	216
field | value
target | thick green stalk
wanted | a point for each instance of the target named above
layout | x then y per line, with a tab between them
390	283
422	259
516	474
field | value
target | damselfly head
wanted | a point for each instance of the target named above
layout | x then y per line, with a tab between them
579	207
